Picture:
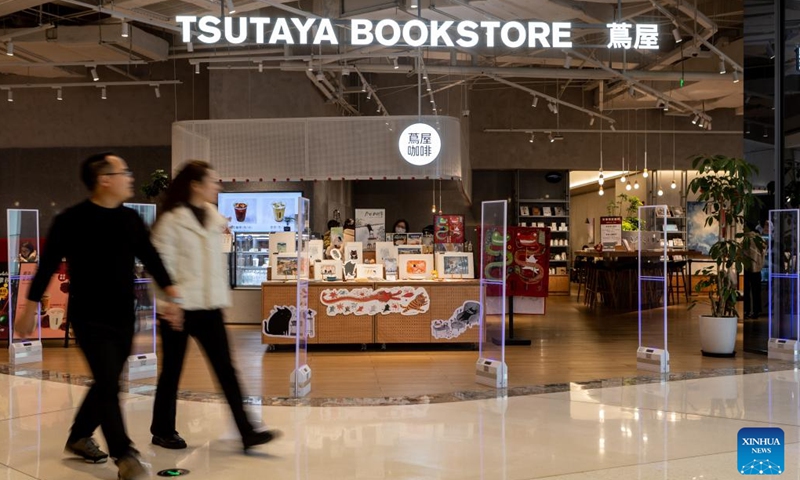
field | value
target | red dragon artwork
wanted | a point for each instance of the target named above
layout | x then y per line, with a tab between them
404	300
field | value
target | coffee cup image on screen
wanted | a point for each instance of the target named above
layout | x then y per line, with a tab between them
240	210
56	318
278	211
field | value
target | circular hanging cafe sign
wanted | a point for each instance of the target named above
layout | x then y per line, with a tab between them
420	144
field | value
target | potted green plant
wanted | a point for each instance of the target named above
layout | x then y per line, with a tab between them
630	222
159	181
723	184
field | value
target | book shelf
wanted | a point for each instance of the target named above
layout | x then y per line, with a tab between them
539	202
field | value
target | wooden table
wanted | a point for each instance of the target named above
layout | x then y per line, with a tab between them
614	275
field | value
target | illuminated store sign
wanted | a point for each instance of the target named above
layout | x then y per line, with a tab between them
414	33
420	144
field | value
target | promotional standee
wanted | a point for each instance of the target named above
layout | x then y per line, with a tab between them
784	285
300	379
491	367
23	257
143	361
652	353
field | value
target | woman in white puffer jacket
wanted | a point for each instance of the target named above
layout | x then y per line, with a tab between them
188	237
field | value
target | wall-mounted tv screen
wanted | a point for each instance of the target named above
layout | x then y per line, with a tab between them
259	211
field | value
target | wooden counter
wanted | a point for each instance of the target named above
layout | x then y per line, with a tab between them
375	312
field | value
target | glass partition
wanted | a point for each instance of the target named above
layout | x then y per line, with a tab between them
23	260
653	256
301	377
784	283
494	263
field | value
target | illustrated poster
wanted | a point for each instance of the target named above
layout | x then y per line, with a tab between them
527	258
370	227
448	228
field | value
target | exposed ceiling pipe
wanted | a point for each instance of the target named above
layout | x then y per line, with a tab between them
643	87
289	9
693	131
475	9
24	31
202	54
328	90
299	58
125	14
381	106
702	39
548	73
454	84
72	64
89	84
552	99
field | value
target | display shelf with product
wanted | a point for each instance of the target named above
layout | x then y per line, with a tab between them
249	260
542	200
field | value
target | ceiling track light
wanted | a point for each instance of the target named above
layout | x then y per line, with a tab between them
613	128
190	47
550	136
666	106
231	7
722	69
197	69
310	66
567	62
701	123
535	102
157	91
125	32
696	119
369	95
345	71
677	34
533	137
59	97
770	51
95	76
260	67
736	76
320	76
555	108
11	97
103	95
10	48
631	91
394	61
591	120
424	74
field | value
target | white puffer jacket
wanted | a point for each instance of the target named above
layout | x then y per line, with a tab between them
193	256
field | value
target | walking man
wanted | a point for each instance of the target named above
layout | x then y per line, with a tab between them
100	240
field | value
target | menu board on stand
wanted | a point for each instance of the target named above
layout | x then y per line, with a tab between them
610	232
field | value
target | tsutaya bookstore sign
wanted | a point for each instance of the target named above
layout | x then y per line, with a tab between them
414	33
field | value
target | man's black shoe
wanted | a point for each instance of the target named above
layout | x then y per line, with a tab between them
173	442
260	438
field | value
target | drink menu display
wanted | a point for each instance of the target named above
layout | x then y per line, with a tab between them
260	211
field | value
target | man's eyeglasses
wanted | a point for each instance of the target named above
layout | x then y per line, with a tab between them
127	173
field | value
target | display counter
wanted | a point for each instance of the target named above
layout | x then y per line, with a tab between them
445	311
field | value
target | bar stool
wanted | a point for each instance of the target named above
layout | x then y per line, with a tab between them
579	268
677	280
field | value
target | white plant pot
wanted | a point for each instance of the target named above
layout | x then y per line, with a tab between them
718	335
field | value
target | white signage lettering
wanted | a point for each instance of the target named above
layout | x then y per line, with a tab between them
420	144
414	33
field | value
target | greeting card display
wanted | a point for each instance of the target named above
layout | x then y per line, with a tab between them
286	266
369	272
370	227
328	270
353	252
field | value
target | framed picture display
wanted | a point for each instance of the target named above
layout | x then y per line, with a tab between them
384	250
448	229
547	211
390	268
370	272
316	250
349	269
524	211
414	239
455	265
285	266
328	271
354	252
416	267
409	250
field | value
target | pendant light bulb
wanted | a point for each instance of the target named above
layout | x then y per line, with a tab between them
636	185
628	187
601	192
623	178
660	191
433	208
673	185
645	173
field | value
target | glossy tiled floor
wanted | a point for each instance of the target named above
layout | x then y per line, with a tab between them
680	429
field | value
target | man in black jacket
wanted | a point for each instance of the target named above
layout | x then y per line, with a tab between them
100	240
